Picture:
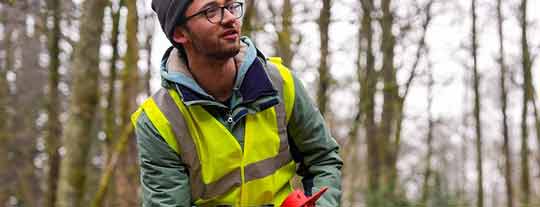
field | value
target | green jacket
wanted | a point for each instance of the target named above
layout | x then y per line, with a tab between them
164	178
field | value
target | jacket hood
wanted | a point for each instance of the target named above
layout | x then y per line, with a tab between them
250	63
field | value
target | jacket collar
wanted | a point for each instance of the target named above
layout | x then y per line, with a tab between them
251	84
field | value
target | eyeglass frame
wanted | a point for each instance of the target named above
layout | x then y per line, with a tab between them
222	8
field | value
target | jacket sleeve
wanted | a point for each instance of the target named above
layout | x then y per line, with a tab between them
164	179
315	149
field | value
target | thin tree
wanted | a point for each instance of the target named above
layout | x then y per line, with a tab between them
110	109
364	60
149	31
478	123
99	197
325	78
126	181
504	106
284	43
78	133
148	74
536	120
29	80
384	137
390	102
421	51
525	64
350	148
368	80
110	112
7	63
249	20
429	140
129	71
53	105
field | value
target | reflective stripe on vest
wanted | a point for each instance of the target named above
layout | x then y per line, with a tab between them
171	117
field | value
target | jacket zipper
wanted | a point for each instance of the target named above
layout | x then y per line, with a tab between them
229	117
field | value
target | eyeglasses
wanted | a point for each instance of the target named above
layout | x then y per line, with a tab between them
215	14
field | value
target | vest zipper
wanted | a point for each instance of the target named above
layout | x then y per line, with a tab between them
243	196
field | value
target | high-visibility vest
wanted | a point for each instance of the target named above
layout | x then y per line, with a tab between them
220	172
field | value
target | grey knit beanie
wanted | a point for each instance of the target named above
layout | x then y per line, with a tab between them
170	13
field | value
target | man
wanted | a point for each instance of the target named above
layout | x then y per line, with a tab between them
229	127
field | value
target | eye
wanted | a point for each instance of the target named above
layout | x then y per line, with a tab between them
233	8
212	12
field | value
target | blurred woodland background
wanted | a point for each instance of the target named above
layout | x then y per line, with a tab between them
434	102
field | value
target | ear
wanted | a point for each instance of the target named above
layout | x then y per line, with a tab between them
180	35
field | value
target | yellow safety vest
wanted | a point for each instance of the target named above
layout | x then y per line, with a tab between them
220	172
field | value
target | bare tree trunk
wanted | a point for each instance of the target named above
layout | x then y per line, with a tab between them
25	185
478	126
536	122
504	106
463	147
129	72
325	79
126	181
249	19
285	44
420	52
53	138
285	34
350	150
431	125
111	126
526	63
111	166
367	102
148	27
29	80
390	102
78	134
524	179
6	65
351	159
148	75
110	109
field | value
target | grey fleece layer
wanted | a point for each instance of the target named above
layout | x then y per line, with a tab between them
164	178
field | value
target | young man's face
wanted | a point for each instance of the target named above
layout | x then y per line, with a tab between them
208	34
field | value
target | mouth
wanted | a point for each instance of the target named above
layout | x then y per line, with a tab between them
230	34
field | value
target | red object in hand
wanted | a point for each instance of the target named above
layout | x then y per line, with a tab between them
299	199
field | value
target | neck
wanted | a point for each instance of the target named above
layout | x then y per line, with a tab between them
215	76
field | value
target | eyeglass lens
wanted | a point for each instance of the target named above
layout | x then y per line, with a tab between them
215	15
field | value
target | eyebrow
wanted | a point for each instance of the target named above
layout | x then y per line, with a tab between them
214	3
209	4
